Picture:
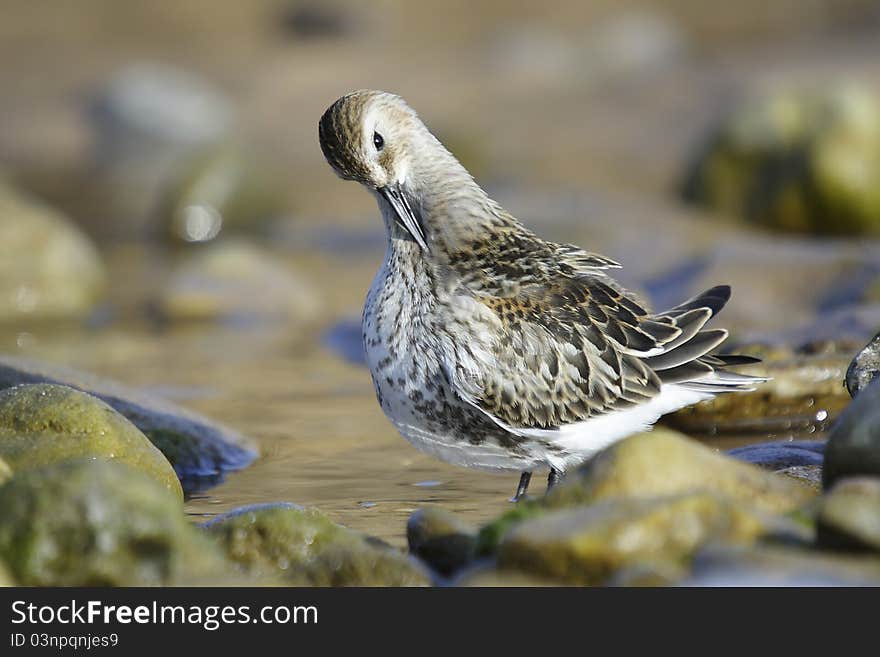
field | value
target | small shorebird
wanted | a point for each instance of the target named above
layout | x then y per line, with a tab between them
490	347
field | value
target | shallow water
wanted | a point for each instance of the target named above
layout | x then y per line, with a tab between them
322	437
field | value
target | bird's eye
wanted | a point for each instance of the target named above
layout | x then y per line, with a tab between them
378	142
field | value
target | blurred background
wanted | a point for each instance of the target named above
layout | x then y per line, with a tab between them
167	218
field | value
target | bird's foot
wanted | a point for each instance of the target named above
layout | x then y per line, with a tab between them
523	487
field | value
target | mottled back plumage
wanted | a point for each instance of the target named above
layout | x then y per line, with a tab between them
489	346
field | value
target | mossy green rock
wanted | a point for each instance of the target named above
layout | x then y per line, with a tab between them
586	545
800	162
305	546
41	424
200	450
49	269
99	523
441	539
658	463
849	515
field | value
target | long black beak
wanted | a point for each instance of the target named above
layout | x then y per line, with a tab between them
407	219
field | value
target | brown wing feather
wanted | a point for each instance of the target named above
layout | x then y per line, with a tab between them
573	345
569	351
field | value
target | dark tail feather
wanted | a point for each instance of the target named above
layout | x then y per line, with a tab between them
686	360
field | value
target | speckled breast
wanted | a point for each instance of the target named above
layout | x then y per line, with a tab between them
403	328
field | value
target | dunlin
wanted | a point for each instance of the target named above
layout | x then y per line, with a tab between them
490	347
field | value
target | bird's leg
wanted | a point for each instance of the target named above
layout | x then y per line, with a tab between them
524	480
553	478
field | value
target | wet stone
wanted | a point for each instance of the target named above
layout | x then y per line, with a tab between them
42	424
586	545
200	450
441	539
799	459
803	396
99	523
781	454
305	546
854	442
657	463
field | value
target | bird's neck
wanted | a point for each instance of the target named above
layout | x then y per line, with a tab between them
454	210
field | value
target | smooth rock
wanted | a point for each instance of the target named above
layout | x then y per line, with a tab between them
773	566
42	424
441	539
849	515
854	441
200	450
803	396
149	120
165	103
781	454
234	281
286	540
586	545
49	269
865	367
658	463
99	523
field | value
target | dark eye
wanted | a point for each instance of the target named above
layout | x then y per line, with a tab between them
378	142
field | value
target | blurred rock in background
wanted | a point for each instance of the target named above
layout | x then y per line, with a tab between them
149	120
221	189
805	162
49	270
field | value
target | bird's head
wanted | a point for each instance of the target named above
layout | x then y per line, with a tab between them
367	136
373	137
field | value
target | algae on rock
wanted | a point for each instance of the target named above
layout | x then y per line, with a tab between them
42	424
99	523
